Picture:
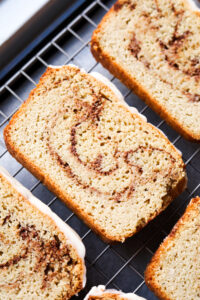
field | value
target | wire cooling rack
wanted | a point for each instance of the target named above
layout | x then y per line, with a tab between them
119	266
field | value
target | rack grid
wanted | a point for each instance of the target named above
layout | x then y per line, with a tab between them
119	266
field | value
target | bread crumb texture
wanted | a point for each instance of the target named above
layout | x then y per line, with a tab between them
112	168
174	272
153	46
36	261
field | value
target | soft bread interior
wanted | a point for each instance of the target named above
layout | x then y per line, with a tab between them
175	269
113	168
156	45
36	260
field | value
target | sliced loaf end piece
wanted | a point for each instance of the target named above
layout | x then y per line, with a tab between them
41	256
113	169
174	270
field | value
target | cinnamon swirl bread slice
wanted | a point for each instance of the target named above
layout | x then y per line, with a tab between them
41	257
152	46
116	171
174	272
100	293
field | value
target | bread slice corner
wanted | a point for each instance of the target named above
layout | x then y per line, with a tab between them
173	272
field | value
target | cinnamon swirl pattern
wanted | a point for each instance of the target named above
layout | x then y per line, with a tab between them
173	50
153	47
96	159
35	260
111	167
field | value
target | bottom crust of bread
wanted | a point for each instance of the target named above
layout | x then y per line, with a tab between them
124	77
69	202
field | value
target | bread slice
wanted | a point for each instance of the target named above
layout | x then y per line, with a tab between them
174	272
100	293
41	257
152	46
113	169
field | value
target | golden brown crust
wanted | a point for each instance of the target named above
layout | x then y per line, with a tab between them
81	275
106	296
109	63
46	180
149	272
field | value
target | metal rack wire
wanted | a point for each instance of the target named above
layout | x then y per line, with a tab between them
119	266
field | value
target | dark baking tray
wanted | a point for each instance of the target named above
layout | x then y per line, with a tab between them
118	266
33	32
